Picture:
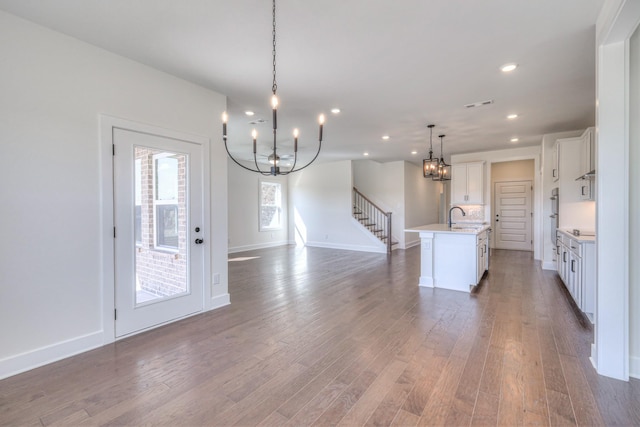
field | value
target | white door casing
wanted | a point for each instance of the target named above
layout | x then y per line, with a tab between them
115	131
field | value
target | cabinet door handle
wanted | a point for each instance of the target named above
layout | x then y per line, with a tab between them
583	187
554	172
573	265
485	249
564	257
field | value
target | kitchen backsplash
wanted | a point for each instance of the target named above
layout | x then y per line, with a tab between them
474	213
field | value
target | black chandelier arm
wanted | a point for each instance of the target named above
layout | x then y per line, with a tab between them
237	162
293	168
255	160
308	164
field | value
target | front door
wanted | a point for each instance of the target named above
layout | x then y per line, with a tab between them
512	218
158	212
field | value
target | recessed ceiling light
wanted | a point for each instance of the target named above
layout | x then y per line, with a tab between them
508	67
365	154
249	113
514	140
385	137
335	110
512	116
414	152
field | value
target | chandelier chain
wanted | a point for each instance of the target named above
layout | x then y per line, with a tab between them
274	88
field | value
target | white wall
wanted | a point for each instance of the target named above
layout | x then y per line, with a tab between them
320	200
497	156
611	353
244	230
548	148
422	201
634	206
51	262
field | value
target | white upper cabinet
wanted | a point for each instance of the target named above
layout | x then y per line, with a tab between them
569	153
555	167
587	165
467	183
576	159
588	152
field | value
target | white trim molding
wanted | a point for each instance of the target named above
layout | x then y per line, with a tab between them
52	353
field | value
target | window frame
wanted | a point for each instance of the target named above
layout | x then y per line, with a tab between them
278	205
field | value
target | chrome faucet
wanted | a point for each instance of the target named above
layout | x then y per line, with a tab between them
452	208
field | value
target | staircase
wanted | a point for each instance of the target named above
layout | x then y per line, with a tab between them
377	221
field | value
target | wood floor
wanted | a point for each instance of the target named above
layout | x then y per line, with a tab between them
326	337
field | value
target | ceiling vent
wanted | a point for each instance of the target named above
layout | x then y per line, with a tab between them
479	104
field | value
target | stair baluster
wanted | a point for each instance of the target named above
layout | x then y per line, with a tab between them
372	217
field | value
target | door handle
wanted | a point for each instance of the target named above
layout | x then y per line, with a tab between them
199	241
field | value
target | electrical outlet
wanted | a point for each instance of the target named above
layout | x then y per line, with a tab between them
216	278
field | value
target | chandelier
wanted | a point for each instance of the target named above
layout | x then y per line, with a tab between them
443	172
274	158
430	165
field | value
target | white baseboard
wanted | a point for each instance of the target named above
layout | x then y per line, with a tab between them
359	248
412	244
23	362
245	248
220	301
548	265
634	366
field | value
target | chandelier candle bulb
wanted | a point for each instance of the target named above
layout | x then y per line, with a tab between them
296	132
321	121
225	119
274	104
254	135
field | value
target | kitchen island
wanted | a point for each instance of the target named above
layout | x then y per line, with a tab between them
452	257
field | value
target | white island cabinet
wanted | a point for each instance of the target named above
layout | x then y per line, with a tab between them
452	258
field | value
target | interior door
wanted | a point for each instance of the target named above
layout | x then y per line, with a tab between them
513	215
158	213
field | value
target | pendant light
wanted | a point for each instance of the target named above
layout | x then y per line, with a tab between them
274	157
444	170
430	165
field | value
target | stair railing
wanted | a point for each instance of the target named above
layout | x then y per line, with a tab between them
373	218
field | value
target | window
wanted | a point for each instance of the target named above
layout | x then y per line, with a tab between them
165	200
270	206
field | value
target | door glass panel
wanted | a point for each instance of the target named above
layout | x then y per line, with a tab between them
160	238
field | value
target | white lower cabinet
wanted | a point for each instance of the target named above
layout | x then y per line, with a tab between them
482	261
576	267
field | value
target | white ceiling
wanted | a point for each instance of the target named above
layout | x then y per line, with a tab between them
392	67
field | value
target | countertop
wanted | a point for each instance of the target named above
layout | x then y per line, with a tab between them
581	238
444	228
